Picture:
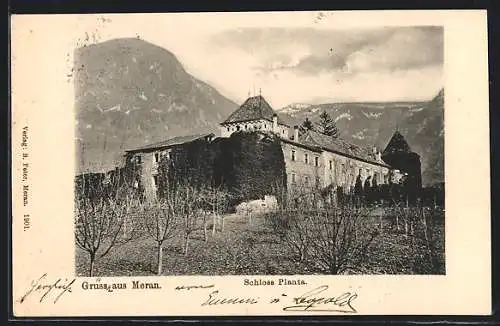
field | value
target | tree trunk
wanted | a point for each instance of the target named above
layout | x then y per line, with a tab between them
186	244
406	225
424	221
91	267
214	223
205	237
160	259
222	224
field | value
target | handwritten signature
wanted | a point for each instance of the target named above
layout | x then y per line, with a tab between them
310	301
40	285
313	300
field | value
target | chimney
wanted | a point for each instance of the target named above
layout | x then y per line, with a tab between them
378	156
374	149
275	123
296	133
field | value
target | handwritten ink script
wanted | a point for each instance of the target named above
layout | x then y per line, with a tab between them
47	288
315	300
192	287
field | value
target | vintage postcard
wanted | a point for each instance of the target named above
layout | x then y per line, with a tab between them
273	163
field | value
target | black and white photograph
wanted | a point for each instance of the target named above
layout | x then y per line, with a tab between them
322	163
260	151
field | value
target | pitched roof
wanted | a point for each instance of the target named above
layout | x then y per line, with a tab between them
171	142
339	146
253	108
397	144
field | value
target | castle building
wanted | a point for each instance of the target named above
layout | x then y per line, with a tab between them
312	159
255	114
148	158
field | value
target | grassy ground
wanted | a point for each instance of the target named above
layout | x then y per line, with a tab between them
253	249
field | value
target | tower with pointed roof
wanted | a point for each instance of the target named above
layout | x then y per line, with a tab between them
399	155
255	114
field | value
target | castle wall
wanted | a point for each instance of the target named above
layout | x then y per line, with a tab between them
332	169
343	171
301	174
149	171
254	125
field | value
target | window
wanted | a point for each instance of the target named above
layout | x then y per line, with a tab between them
237	128
316	161
138	159
167	154
157	157
306	180
155	181
293	155
293	178
228	129
331	165
306	158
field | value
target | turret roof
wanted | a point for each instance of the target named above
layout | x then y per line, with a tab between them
397	144
254	108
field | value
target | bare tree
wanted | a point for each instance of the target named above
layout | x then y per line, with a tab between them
160	224
216	198
186	203
329	238
99	222
339	242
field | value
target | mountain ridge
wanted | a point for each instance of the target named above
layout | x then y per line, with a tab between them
373	124
130	93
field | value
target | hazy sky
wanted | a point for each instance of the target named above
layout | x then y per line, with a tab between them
303	64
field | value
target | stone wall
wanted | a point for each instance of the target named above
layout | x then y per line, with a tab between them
302	174
254	125
330	169
149	170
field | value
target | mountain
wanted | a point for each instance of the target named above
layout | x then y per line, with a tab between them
373	124
129	93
